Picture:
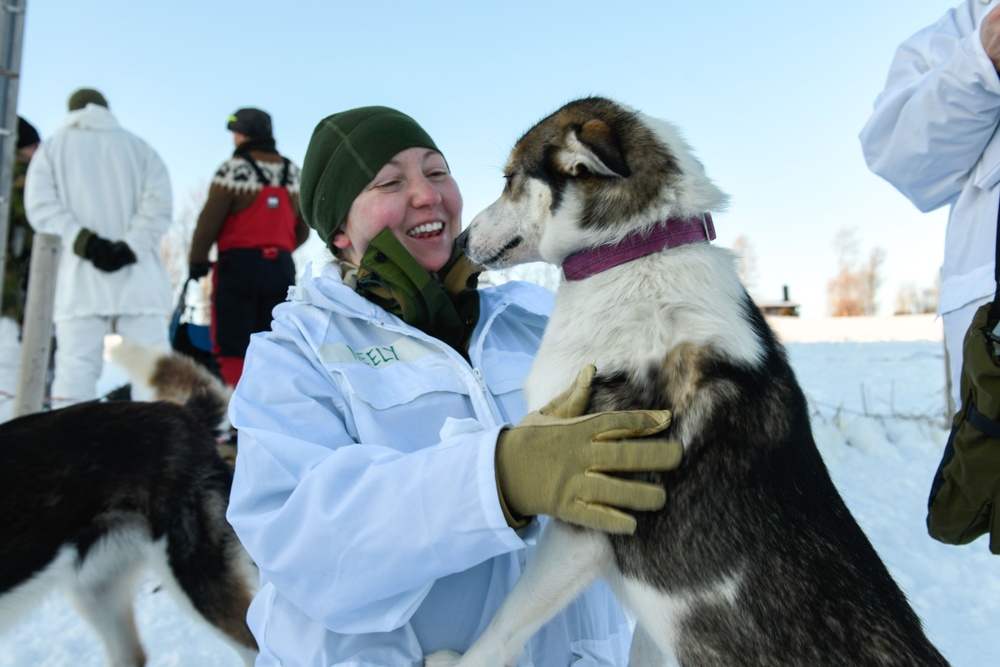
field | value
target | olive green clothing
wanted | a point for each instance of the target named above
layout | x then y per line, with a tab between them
345	153
18	256
84	96
965	497
444	305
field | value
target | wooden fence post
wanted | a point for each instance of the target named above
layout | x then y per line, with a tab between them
36	338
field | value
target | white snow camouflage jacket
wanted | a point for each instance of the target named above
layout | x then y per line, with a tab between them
92	173
932	136
365	488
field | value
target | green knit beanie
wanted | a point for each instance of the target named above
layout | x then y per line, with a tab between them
85	96
345	152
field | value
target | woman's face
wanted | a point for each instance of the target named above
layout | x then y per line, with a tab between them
415	196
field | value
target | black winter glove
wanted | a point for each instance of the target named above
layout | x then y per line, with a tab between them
106	255
197	270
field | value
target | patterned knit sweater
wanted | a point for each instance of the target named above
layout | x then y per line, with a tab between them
234	187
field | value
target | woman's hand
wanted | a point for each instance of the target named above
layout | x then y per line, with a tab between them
554	462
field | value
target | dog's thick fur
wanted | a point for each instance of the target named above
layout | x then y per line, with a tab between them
755	560
94	492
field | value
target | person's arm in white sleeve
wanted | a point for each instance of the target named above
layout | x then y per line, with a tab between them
352	534
42	204
151	219
938	111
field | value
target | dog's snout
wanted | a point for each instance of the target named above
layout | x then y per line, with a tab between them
462	238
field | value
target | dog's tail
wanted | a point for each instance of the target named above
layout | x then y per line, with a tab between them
177	378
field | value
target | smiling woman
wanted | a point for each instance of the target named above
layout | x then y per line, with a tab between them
413	195
368	490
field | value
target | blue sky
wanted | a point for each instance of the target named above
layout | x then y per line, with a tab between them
771	95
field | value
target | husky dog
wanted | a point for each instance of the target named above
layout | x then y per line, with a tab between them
755	559
94	492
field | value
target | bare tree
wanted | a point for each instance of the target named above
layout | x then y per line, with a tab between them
748	263
854	290
932	295
906	299
911	300
176	244
871	280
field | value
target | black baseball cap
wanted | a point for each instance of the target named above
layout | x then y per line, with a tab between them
251	122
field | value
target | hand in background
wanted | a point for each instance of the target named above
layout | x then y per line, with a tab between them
989	34
198	270
106	255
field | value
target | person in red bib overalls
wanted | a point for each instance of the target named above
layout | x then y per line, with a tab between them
252	216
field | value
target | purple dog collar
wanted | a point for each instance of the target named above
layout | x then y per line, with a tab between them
667	234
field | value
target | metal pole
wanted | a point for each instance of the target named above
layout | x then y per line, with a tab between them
11	31
36	345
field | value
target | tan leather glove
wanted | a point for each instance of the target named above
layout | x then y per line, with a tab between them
554	461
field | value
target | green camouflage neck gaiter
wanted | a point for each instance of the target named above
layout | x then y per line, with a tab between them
444	305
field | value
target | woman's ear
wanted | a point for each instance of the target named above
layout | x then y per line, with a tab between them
340	239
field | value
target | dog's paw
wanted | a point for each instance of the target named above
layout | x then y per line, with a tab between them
442	659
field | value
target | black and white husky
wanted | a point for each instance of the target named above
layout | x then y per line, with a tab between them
94	492
755	560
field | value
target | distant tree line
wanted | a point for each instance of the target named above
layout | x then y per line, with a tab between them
913	300
853	291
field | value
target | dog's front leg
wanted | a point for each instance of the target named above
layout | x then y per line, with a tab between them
568	559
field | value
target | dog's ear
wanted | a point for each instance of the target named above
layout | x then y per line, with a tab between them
593	146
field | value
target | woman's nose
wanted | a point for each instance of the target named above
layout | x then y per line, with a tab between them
424	193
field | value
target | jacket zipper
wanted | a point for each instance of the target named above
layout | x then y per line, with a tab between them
479	377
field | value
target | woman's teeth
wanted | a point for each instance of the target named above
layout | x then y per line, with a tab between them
429	229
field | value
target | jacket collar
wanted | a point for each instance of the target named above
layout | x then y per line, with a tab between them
91	117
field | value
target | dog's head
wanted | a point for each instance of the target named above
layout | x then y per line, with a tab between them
589	174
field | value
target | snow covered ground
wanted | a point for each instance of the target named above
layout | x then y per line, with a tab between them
877	396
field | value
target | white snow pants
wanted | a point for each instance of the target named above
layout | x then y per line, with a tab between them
80	353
